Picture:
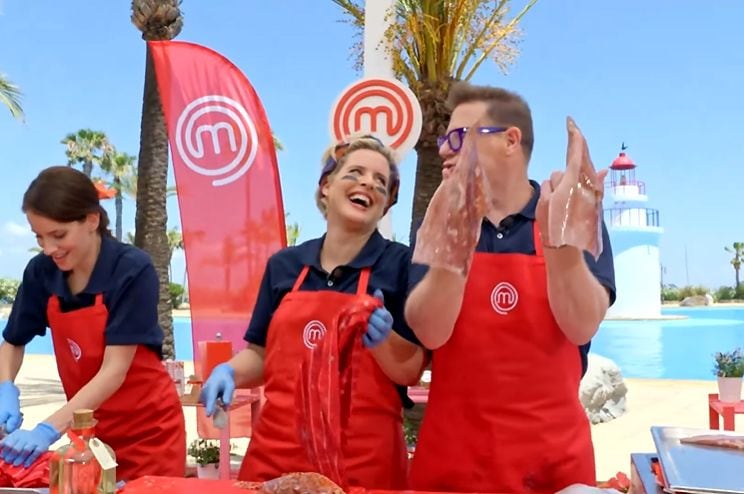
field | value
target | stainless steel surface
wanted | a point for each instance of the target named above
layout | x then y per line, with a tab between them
698	469
642	478
10	490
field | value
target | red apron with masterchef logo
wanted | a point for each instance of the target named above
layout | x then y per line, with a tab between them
374	447
143	420
504	414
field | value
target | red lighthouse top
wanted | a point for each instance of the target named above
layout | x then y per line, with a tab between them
622	162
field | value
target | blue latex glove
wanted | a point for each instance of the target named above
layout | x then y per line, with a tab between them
221	384
24	447
10	407
379	325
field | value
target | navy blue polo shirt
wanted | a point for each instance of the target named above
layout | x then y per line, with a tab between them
124	275
388	262
514	235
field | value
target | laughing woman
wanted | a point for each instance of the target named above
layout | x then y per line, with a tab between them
357	185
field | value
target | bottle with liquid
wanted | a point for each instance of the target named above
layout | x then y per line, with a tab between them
85	465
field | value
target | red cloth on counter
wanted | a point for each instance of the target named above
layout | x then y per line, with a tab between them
35	476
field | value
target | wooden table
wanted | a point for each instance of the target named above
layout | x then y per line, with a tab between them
718	408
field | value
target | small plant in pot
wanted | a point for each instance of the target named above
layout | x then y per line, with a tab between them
207	456
729	369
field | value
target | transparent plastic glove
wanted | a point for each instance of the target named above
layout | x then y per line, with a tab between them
379	326
569	211
23	446
219	386
452	224
10	407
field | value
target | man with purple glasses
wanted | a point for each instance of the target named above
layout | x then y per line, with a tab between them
510	339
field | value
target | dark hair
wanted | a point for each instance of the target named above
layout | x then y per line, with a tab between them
64	194
504	108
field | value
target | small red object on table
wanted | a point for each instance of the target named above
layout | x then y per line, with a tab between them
726	410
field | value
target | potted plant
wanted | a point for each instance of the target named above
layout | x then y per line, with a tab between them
207	456
729	369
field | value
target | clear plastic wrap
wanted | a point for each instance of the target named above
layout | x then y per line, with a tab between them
451	227
575	207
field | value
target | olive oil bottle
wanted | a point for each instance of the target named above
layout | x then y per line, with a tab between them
85	465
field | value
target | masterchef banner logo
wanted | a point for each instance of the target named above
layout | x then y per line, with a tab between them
216	137
229	194
382	107
504	298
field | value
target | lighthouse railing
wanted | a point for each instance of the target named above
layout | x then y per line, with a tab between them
632	217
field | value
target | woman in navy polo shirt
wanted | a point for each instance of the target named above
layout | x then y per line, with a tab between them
301	291
99	298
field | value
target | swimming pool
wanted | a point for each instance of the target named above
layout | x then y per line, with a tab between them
672	349
664	349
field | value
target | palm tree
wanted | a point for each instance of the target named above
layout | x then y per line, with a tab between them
737	249
158	20
433	43
293	231
121	167
86	147
175	242
10	96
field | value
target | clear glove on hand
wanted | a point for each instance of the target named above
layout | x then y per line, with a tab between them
24	447
220	385
451	227
10	407
379	325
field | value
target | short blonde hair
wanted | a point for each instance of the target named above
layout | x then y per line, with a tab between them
332	163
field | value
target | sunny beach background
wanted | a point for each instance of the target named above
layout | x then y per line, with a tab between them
663	79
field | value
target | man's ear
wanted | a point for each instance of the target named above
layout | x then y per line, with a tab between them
513	139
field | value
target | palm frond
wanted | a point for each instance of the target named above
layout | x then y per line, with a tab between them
10	96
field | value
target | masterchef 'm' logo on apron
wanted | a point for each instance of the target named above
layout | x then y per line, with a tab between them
75	349
504	298
313	333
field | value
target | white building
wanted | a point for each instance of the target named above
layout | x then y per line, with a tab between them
634	233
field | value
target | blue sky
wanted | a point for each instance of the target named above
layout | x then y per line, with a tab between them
665	77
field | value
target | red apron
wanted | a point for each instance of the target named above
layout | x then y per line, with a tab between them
504	413
143	420
374	446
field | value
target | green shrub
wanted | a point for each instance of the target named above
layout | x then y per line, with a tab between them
725	293
176	293
8	290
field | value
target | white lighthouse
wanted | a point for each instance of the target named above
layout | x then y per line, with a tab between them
634	233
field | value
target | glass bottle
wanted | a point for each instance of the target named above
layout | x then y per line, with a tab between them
85	465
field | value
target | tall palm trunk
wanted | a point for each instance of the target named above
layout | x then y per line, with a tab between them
88	168
119	205
150	228
435	116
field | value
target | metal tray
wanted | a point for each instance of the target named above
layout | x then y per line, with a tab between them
698	469
10	490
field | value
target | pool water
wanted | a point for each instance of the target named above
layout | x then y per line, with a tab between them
673	349
663	349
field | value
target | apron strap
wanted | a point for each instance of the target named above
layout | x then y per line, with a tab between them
300	278
363	281
537	239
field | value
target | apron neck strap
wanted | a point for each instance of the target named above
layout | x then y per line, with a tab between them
300	278
363	281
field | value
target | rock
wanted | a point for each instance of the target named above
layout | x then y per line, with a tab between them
602	390
697	300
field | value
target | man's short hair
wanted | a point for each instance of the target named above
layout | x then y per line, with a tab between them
504	108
